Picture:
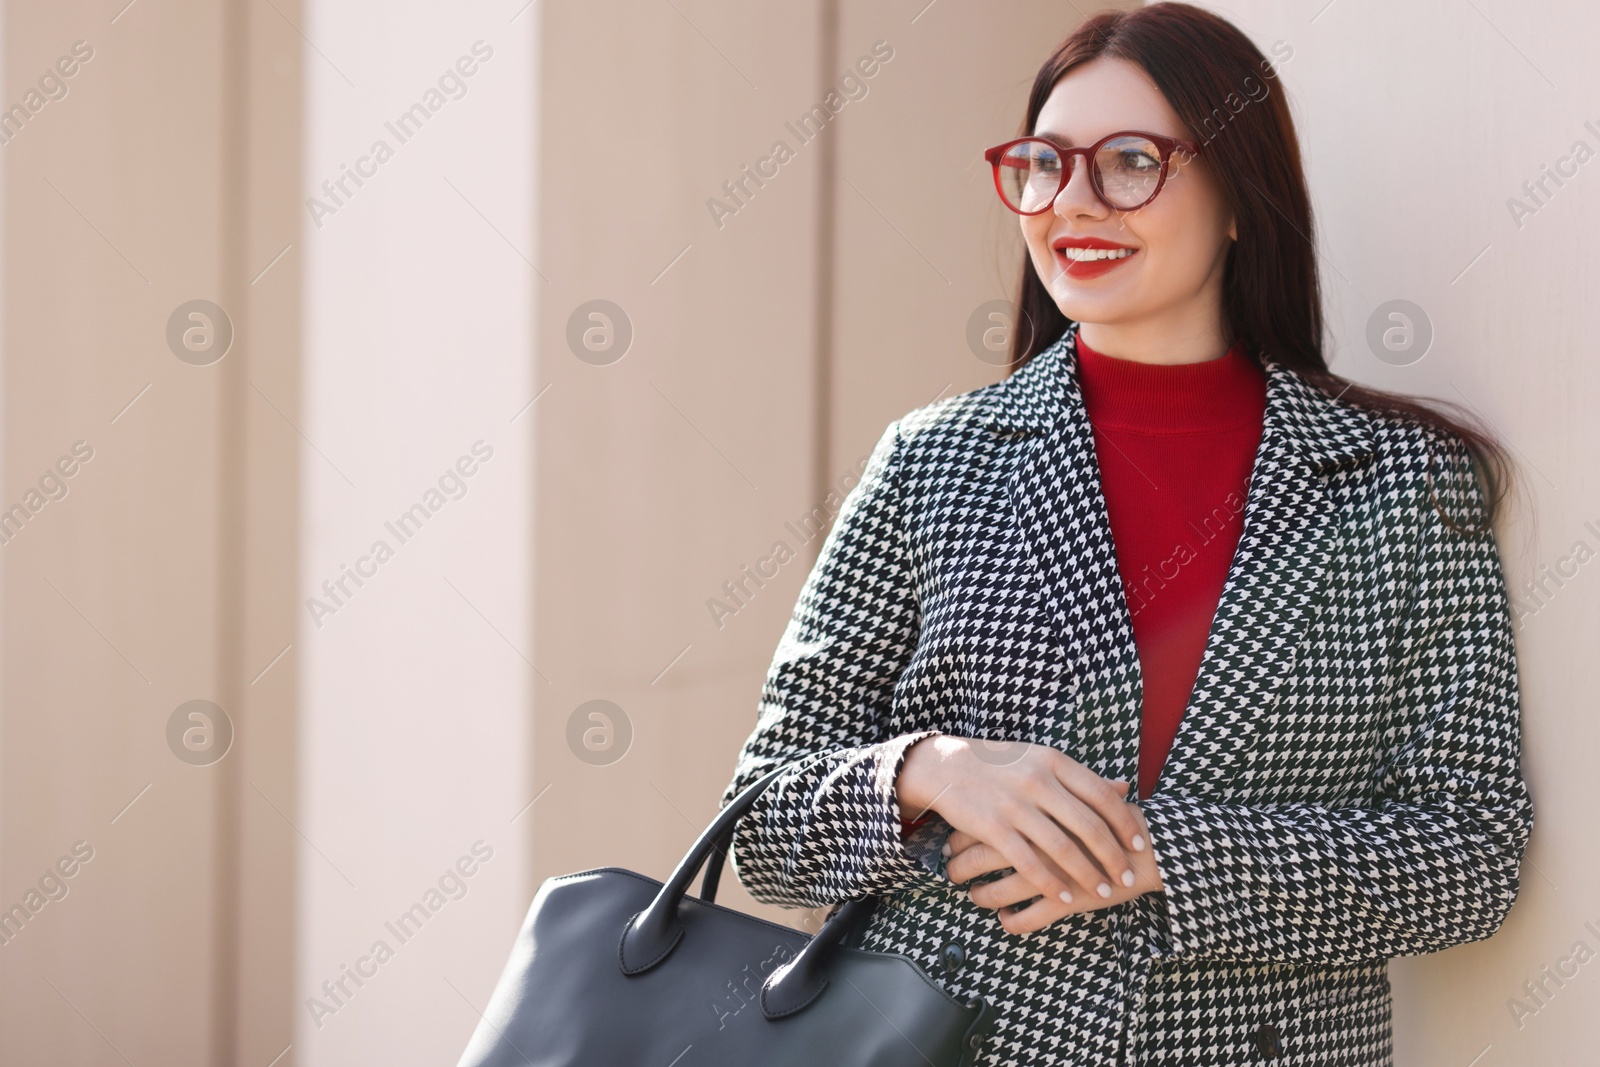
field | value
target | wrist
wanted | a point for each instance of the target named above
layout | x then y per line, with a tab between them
917	788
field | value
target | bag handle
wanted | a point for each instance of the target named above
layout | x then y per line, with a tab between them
719	856
652	934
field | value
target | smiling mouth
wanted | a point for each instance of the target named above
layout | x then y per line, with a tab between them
1091	262
1090	255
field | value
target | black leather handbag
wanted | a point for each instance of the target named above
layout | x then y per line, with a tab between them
614	969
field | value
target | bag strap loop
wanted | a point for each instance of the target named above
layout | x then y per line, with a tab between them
653	933
650	935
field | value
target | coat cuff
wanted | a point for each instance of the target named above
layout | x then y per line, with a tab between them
1176	913
914	855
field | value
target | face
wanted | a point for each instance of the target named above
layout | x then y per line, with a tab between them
1179	240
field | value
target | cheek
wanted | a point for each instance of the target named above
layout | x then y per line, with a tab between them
1174	246
1186	256
1036	232
1184	227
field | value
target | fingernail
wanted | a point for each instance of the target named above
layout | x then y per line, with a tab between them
1103	889
1127	878
945	848
1066	896
1138	842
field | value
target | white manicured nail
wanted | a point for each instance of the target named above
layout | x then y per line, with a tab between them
1103	889
1138	842
1066	896
1127	878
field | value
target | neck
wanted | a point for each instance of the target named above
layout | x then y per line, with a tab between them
1156	341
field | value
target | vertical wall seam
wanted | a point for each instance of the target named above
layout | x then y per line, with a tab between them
827	243
232	492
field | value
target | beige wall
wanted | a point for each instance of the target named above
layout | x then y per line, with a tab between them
767	354
414	689
168	172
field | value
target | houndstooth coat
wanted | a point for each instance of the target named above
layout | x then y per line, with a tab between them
1345	786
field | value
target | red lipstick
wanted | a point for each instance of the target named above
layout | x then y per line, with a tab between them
1104	256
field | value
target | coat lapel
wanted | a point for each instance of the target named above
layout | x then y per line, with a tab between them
1313	451
1066	533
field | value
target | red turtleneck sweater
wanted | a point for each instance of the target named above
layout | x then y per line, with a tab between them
1175	445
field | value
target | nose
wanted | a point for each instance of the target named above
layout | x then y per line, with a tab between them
1078	197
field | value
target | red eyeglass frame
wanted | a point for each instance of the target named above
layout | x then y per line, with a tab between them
1166	145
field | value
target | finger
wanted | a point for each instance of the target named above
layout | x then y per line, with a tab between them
958	841
1081	815
1035	916
1039	850
1108	799
1138	838
1005	892
978	859
1020	855
1015	889
1144	824
1069	850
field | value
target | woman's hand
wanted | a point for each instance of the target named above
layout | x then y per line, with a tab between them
969	858
1065	830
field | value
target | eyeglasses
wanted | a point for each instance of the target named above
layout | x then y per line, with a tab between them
1129	169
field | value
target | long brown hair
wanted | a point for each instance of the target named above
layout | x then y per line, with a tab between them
1272	298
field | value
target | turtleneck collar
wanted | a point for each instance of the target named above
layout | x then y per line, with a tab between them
1182	398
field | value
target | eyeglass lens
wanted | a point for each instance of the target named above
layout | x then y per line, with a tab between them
1129	169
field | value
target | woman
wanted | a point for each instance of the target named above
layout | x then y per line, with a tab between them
1164	690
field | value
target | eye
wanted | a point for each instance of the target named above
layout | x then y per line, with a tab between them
1046	160
1136	160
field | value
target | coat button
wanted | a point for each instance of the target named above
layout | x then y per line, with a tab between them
1269	1041
952	956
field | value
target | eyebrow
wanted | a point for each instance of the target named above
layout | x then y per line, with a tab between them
1062	139
1059	138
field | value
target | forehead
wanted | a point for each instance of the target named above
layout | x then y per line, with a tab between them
1102	96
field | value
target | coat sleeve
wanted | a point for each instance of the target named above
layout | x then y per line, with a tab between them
1434	861
828	829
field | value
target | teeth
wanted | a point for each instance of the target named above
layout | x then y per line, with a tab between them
1081	255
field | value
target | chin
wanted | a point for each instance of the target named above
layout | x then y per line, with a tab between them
1088	309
